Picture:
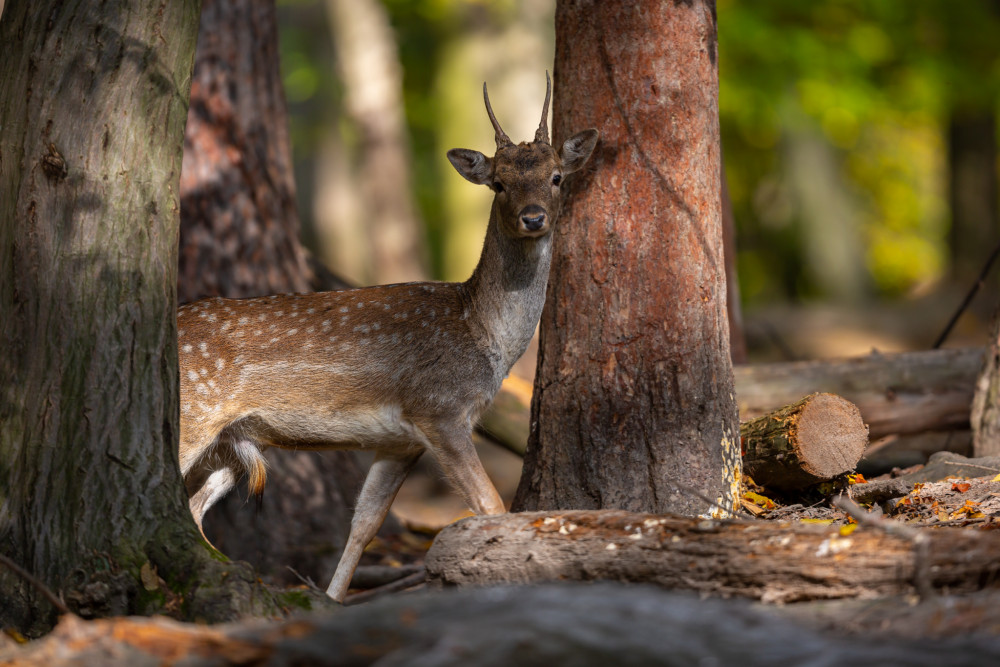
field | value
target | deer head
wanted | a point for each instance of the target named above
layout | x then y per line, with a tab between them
525	177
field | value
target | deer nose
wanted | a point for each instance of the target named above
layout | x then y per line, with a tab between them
533	217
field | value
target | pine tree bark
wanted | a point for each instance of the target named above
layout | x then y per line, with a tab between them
92	106
633	402
985	417
240	238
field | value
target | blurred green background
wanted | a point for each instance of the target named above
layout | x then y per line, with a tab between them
859	146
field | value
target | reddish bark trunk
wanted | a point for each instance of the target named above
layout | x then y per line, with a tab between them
240	225
633	404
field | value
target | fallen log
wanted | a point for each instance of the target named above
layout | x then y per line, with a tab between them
812	440
600	624
910	392
769	561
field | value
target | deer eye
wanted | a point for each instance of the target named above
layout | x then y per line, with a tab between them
557	179
497	187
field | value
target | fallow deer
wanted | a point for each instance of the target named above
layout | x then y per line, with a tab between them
394	369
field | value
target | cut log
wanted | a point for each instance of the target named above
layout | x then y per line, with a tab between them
777	562
813	440
911	392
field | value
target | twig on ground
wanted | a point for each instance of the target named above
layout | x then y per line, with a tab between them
306	580
398	585
34	581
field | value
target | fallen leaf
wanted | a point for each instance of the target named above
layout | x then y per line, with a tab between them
961	487
824	522
147	573
848	529
757	499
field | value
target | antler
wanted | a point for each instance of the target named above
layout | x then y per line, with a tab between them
502	139
542	133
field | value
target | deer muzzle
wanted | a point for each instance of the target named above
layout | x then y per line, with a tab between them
533	219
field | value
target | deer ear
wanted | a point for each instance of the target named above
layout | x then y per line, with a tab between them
577	149
472	165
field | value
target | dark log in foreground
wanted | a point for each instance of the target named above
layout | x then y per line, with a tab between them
774	562
815	439
600	624
912	392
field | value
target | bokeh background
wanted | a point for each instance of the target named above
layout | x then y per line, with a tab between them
859	144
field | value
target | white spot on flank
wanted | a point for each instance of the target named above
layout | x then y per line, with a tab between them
291	332
240	359
310	311
262	317
343	309
212	318
360	304
310	330
186	348
376	326
362	328
274	340
326	324
203	372
192	376
220	364
279	313
243	320
202	346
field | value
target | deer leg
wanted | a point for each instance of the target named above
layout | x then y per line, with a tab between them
383	481
457	456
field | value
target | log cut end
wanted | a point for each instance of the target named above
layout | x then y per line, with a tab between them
832	436
815	439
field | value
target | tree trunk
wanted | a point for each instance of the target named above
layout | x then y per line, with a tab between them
634	396
986	401
240	238
774	562
734	309
239	222
386	212
92	106
812	440
972	172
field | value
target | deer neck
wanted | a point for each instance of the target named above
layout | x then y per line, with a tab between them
507	291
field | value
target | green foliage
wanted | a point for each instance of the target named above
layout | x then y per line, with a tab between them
879	81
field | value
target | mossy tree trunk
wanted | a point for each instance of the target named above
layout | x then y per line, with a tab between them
633	405
93	102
